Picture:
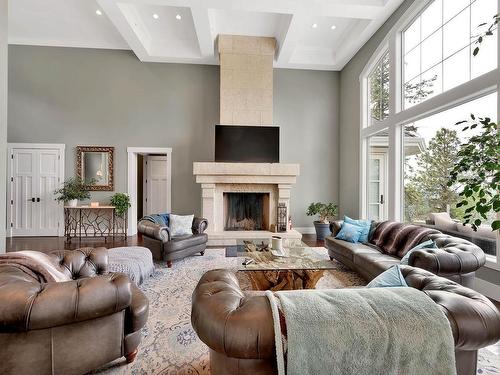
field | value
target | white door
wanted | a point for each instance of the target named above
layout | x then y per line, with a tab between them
156	184
377	187
35	174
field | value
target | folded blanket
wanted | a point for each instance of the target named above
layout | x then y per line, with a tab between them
386	331
35	263
162	219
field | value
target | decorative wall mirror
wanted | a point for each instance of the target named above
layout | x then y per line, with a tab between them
94	166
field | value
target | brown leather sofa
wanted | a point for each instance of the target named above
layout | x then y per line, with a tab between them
164	247
455	258
69	327
238	328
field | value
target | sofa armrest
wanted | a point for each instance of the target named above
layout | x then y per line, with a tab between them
83	262
137	312
449	260
199	225
335	226
153	230
229	322
37	306
474	320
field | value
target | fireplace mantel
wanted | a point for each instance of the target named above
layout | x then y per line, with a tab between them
215	178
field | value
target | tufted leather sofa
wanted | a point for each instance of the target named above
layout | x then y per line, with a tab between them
455	258
164	247
238	328
69	327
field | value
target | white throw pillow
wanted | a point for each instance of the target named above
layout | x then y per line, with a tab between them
180	225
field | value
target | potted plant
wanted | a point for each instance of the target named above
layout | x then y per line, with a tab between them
326	212
121	202
73	189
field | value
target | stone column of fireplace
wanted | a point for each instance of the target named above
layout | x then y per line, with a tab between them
246	79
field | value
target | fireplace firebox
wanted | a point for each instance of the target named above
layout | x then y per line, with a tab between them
246	211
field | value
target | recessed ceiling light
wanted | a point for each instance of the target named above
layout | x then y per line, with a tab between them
178	17
155	16
333	27
98	12
314	25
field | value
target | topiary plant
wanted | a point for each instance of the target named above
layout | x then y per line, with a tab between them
121	202
73	188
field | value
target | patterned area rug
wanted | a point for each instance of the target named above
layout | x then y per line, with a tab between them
171	347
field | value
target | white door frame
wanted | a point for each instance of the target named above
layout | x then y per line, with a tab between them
132	153
41	146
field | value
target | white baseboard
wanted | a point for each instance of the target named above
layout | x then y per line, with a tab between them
305	230
488	289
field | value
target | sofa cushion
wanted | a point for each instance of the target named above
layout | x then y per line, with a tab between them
347	249
429	244
181	225
182	242
374	263
442	220
398	238
365	224
349	232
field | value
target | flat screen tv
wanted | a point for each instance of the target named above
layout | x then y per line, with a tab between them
247	144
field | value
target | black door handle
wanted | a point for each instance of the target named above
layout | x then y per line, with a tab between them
33	200
381	199
38	199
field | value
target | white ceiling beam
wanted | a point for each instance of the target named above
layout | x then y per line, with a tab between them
287	45
202	27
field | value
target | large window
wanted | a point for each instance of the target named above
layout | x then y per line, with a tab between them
409	150
438	48
378	90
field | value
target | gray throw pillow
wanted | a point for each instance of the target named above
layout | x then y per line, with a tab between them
180	225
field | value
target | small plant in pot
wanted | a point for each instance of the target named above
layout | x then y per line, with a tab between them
121	202
326	212
73	190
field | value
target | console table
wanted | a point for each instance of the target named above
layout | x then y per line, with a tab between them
87	221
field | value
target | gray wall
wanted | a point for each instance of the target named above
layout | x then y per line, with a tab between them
3	119
110	98
350	116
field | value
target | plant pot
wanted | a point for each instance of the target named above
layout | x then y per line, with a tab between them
322	230
73	202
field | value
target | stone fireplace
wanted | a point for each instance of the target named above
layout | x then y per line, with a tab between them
219	181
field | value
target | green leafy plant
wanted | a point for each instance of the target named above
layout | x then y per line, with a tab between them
121	202
485	33
478	171
325	211
73	188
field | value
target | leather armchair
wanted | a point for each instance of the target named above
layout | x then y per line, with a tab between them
455	258
69	327
238	327
164	247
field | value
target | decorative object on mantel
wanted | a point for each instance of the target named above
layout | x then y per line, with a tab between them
94	204
72	191
94	165
281	220
121	201
88	221
326	213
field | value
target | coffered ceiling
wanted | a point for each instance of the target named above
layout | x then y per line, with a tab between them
310	34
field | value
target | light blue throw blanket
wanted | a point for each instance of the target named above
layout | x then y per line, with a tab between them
379	331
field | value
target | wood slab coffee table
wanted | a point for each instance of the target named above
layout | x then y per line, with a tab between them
301	268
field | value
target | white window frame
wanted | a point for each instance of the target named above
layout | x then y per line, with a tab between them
398	117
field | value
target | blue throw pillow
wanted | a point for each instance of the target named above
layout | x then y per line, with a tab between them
388	279
349	232
365	224
430	244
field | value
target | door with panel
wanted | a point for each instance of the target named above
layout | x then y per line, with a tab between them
156	184
35	174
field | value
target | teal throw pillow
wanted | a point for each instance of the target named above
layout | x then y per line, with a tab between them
364	224
349	232
430	244
390	278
